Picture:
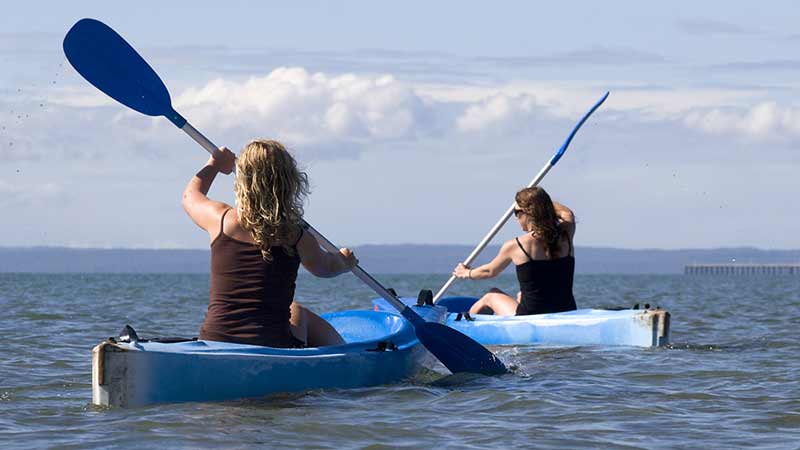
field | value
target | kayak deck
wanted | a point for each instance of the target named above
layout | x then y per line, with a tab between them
381	348
644	328
633	327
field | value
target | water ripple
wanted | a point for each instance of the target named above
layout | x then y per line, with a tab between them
731	378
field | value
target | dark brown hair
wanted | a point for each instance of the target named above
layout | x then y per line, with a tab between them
535	202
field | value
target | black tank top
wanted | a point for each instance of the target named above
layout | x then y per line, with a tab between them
249	299
546	284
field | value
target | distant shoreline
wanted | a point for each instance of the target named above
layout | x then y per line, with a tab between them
397	259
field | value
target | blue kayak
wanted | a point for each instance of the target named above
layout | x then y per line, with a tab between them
634	327
381	348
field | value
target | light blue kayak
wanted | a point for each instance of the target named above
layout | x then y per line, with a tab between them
381	348
635	327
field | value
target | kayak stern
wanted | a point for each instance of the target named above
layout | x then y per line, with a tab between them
381	348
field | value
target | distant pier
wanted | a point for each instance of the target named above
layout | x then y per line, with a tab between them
742	269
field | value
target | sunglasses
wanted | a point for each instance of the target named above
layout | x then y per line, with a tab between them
517	212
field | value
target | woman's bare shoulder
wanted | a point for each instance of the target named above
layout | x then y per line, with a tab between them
233	227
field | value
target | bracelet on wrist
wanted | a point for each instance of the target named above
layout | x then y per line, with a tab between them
469	274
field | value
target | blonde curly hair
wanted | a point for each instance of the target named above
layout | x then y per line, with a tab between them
270	191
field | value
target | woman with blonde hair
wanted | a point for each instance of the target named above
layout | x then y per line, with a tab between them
543	256
257	249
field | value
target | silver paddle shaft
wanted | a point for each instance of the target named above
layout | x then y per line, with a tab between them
200	139
357	270
495	229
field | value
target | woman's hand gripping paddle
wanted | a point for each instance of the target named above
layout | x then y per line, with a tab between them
552	162
109	63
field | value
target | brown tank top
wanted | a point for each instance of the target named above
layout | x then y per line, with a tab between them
249	298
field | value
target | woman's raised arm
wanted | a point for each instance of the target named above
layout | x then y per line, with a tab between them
203	211
567	218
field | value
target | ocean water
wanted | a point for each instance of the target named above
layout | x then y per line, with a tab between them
731	378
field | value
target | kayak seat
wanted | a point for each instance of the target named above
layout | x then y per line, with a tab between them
457	304
360	326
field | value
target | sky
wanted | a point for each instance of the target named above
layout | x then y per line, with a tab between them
416	121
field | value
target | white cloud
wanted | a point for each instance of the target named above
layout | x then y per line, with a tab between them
309	108
341	116
766	120
570	100
499	112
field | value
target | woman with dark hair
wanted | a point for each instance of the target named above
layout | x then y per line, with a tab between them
257	247
543	256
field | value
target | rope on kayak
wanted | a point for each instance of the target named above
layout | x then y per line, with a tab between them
128	334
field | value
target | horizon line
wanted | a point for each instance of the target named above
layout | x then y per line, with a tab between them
69	247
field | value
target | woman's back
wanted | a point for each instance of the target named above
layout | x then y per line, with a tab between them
545	282
250	298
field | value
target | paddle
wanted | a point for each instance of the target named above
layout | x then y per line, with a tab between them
457	351
496	228
109	63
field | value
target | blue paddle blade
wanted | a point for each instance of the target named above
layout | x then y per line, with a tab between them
564	146
109	63
458	352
